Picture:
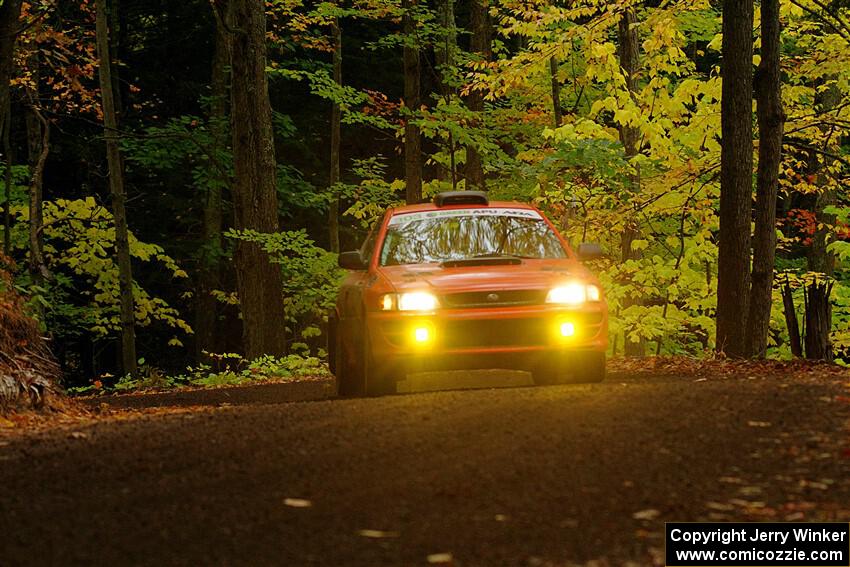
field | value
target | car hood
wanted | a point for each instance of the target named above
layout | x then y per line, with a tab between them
530	274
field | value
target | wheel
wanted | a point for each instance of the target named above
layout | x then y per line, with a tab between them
546	375
356	372
381	385
583	368
590	367
349	377
378	383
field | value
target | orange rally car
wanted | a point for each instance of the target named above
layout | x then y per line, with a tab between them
464	283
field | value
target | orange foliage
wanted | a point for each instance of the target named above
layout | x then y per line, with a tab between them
28	371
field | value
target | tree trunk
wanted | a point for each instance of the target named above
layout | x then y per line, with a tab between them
255	206
791	320
629	54
479	44
736	171
116	187
445	51
38	145
818	315
445	55
114	26
412	100
557	113
770	123
6	133
336	125
38	129
818	310
10	13
209	276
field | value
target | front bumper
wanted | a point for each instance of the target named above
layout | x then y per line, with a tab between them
511	337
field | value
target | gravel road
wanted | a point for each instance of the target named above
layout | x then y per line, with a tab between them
516	476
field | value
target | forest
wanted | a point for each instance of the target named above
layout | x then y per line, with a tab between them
178	177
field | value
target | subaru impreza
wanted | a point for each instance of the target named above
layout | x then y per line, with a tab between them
465	283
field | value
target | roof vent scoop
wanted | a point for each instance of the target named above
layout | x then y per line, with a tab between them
448	198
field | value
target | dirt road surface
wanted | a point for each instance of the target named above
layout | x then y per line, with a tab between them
515	476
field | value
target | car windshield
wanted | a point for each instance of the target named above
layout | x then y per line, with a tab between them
461	234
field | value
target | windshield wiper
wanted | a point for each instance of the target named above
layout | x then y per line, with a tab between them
483	260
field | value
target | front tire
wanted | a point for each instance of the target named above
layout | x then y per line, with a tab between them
356	372
546	375
590	368
378	382
585	368
349	378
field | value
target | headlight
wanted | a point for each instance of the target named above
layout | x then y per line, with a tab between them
417	301
574	293
413	301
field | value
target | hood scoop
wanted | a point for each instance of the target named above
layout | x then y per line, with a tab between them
483	261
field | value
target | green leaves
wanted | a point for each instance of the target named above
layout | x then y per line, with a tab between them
311	278
224	369
83	294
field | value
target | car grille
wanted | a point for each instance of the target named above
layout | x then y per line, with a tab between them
505	332
483	333
494	298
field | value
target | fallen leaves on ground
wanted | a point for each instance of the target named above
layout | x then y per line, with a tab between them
152	391
718	367
649	514
72	416
377	534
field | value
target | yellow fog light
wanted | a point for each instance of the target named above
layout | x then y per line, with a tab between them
568	329
422	334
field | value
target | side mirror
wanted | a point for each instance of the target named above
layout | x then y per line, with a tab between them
351	261
589	251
